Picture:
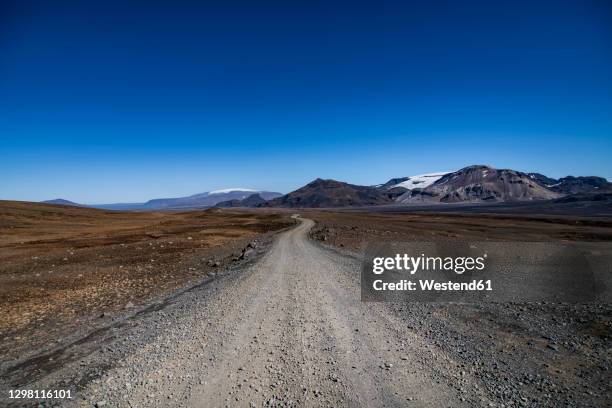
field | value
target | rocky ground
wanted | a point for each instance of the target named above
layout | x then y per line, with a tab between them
524	354
351	229
285	326
67	268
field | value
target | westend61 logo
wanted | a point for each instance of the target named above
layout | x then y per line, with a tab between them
412	264
472	272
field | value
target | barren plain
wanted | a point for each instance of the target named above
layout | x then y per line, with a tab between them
262	308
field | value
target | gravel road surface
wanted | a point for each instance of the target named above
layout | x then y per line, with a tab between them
291	332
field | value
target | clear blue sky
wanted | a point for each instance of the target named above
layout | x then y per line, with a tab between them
125	101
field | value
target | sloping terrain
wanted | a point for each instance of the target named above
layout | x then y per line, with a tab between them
542	179
331	193
420	181
61	201
581	185
392	182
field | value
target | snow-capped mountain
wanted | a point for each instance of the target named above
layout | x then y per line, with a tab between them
230	190
479	184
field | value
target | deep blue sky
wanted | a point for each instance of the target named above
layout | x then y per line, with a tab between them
125	101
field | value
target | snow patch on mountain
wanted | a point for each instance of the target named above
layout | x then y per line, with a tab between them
229	190
420	181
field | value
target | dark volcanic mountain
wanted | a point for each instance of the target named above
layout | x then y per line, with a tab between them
579	185
573	185
254	200
480	184
331	193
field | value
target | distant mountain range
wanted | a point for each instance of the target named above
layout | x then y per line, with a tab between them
201	200
472	184
573	185
209	199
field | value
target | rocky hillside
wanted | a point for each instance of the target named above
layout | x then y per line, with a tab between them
480	184
209	199
581	185
542	179
254	200
573	185
331	193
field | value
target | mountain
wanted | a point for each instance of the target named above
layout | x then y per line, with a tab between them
331	193
581	185
202	200
61	201
254	200
573	185
472	184
480	184
209	199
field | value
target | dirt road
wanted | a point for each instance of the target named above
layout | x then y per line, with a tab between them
291	331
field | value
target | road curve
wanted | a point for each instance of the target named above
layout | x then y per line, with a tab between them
290	331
